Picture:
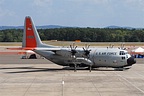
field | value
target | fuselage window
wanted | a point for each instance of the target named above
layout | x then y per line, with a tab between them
126	56
123	58
122	53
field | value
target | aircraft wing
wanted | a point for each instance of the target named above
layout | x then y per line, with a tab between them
56	49
40	48
21	48
48	49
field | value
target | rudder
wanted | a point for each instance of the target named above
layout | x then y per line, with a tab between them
31	37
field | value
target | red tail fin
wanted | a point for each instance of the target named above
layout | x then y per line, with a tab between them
30	35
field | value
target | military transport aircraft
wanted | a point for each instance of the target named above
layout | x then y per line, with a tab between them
74	56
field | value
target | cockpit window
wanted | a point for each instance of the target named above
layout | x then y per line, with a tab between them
126	56
126	52
123	58
122	53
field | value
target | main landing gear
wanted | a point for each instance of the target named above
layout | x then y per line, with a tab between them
75	68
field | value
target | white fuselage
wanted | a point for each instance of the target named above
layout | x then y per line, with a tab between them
98	57
73	56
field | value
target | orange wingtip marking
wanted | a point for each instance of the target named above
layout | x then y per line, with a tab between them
26	48
11	53
14	48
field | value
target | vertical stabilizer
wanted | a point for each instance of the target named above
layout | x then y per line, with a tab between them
31	37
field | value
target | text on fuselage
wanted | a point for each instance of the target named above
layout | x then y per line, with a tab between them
106	53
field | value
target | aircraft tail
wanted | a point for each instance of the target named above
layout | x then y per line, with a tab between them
31	37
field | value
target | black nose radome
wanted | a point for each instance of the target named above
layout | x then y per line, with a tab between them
131	61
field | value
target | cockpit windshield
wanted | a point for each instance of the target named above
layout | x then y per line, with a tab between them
126	52
122	53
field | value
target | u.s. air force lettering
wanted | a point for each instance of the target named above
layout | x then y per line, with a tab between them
106	53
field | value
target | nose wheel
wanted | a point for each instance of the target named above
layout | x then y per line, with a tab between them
90	68
75	65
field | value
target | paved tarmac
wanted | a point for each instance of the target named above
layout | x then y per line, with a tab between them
40	77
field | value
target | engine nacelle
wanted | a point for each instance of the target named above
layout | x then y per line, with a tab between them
85	61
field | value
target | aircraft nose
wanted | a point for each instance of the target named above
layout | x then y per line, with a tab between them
131	61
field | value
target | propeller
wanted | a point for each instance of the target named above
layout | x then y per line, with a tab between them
111	46
73	49
73	52
86	50
122	46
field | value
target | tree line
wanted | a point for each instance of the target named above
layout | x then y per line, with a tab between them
83	34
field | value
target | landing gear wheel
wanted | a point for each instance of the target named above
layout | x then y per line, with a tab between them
90	68
75	68
119	69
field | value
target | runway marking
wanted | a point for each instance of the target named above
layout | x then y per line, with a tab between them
95	86
29	86
140	75
130	83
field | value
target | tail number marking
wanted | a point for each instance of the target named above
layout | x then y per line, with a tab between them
30	37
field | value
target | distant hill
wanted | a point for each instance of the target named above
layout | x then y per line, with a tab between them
113	27
50	26
58	26
38	27
10	27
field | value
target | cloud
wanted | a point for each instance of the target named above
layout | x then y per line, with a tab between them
136	4
1	1
131	3
101	1
5	12
92	1
139	2
42	3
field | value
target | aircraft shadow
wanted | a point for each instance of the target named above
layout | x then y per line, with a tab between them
33	69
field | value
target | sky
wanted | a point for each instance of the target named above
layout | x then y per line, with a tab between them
78	13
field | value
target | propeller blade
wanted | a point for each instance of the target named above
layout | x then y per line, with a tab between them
75	47
86	50
73	50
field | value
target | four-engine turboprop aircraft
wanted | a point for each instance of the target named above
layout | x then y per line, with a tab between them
73	56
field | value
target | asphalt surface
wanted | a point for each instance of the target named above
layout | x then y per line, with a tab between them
40	77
